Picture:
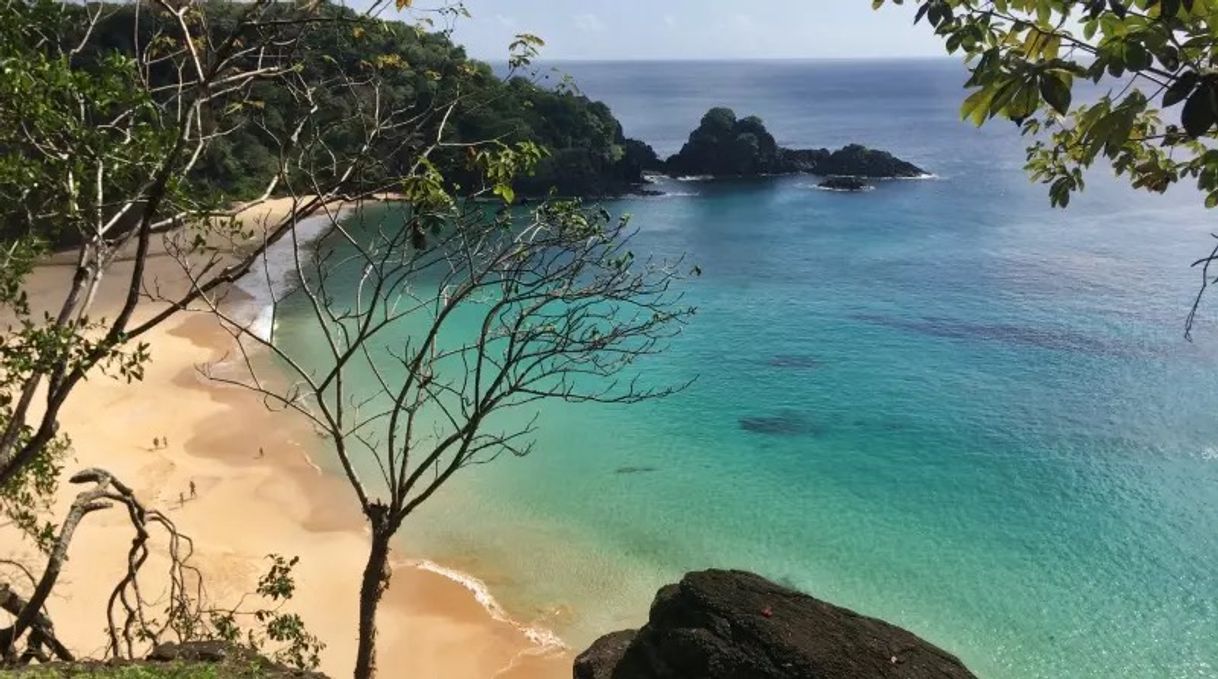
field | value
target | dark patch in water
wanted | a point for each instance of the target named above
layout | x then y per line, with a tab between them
793	361
1044	338
787	423
877	425
636	470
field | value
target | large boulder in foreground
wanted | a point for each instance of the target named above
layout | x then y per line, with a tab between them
735	625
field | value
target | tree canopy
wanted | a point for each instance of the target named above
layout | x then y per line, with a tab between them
415	70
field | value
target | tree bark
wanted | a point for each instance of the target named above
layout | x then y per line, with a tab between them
372	586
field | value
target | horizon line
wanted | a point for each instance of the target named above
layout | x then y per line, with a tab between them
722	60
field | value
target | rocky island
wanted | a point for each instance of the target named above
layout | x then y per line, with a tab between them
725	146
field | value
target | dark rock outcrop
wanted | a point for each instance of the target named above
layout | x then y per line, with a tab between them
735	625
217	659
844	184
724	146
602	657
856	160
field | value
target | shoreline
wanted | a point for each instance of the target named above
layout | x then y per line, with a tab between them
249	462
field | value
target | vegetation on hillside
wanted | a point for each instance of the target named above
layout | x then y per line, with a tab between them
585	151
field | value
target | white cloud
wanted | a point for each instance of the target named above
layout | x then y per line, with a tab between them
745	22
506	21
589	23
670	20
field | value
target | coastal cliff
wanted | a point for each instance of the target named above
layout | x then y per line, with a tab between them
719	624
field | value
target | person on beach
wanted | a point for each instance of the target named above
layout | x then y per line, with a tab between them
193	492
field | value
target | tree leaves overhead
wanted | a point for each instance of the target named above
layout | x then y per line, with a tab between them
1025	58
1055	92
1199	115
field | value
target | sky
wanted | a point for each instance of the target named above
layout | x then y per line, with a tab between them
696	29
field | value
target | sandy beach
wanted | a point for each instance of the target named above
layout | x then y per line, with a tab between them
258	493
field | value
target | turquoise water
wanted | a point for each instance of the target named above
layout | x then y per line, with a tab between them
939	402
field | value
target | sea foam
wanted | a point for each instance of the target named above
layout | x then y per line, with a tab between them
274	276
544	639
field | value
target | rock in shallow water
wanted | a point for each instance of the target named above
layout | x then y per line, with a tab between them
785	423
852	184
793	361
736	625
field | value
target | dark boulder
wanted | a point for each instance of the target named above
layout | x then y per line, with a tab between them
859	161
844	184
599	661
736	625
805	161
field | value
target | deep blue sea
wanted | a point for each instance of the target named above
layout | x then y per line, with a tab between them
940	402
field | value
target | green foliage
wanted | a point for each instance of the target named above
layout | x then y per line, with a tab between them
501	165
64	119
414	73
723	145
586	152
1156	123
236	668
280	633
175	670
25	500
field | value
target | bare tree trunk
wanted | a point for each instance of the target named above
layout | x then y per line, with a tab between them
372	586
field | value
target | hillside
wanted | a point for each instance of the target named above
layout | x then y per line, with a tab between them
413	74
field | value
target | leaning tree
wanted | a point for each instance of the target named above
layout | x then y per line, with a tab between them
441	326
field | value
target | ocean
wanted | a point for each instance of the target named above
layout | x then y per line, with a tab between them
941	402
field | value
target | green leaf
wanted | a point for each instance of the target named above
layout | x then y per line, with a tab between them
506	192
1198	115
977	106
1180	89
1055	92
